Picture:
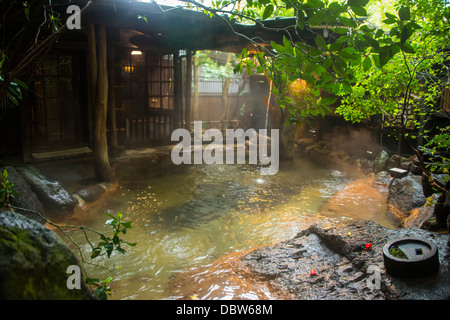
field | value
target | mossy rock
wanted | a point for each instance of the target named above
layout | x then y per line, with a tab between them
34	261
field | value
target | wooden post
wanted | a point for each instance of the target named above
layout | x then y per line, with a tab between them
225	88
112	94
99	86
195	102
91	80
187	111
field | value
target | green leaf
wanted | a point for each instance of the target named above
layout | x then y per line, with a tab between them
404	14
120	250
385	55
21	83
341	30
406	47
405	34
127	224
367	64
321	43
92	280
277	47
359	11
389	21
268	11
359	3
345	55
373	43
328	101
315	4
317	18
390	16
95	253
300	19
376	60
413	25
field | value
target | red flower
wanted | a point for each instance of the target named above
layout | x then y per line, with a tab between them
313	273
368	246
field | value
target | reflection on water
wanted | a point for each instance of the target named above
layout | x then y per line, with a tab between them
186	217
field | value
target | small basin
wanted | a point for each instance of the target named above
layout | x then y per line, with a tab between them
398	173
411	258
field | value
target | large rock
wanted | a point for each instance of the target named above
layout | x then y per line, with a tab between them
342	265
50	192
404	195
26	198
381	162
418	216
34	262
323	262
93	192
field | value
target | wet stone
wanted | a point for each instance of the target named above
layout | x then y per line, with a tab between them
341	264
50	192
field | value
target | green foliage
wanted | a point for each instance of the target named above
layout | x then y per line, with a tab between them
368	66
102	290
397	252
14	90
7	190
211	69
105	247
109	244
439	147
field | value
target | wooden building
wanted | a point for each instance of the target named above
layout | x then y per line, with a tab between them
149	50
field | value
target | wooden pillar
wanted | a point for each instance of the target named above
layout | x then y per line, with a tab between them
112	93
97	56
195	100
187	111
91	80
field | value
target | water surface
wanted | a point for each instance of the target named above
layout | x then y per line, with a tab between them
185	217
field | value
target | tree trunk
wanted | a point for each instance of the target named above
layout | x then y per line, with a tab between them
97	57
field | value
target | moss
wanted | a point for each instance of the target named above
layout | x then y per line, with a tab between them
33	263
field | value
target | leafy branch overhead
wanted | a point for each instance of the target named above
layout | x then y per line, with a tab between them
359	57
344	41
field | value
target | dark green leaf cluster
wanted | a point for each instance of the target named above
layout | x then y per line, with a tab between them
108	244
7	190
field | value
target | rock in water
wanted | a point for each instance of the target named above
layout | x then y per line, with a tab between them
344	267
26	198
34	262
405	195
381	162
50	192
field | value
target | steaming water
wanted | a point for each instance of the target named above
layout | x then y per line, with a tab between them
187	216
